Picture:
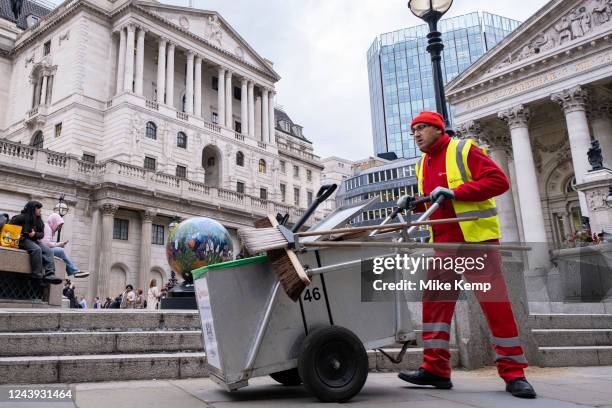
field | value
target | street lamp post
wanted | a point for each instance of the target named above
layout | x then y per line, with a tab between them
431	11
62	209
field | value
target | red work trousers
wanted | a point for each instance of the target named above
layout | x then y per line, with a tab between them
439	306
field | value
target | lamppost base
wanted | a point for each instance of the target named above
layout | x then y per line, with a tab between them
180	297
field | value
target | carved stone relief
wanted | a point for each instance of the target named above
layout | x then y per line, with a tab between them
214	34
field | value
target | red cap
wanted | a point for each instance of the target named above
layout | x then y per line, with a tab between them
431	118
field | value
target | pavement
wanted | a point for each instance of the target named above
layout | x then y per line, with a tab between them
556	387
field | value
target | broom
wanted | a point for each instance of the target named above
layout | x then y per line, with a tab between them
285	262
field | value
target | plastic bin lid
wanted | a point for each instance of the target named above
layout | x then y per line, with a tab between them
198	273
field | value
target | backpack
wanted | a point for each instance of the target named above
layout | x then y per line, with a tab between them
4	218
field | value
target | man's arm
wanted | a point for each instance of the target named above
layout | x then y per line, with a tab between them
488	179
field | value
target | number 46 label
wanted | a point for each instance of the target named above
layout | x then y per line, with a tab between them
310	295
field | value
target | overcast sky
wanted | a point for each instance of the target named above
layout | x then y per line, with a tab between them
319	49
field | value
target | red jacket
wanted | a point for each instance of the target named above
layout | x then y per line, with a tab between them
488	181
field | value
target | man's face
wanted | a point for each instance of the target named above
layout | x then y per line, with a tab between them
425	135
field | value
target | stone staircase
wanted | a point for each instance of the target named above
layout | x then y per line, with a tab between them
573	339
68	346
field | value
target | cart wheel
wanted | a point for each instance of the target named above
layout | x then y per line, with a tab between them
287	377
333	364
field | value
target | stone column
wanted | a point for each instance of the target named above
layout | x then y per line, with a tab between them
265	115
139	61
121	61
161	70
600	116
257	121
574	102
145	248
229	100
244	107
221	97
271	121
498	148
197	98
105	253
517	119
43	91
93	266
251	102
170	76
129	59
189	83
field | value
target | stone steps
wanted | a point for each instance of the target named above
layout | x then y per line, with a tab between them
576	356
573	337
94	320
99	342
145	366
570	321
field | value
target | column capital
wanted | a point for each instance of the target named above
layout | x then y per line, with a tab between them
573	99
109	209
171	45
228	73
251	84
190	54
516	117
494	140
198	58
163	41
142	29
222	69
148	215
244	81
131	27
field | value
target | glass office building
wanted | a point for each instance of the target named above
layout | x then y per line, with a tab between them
400	74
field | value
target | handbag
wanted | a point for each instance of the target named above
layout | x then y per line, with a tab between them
9	235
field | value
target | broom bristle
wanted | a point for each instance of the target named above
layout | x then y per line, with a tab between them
287	273
258	240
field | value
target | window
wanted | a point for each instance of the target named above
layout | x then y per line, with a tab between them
240	187
262	166
210	162
237	93
181	140
157	235
149	163
38	140
215	117
296	171
47	48
181	171
151	132
309	197
90	158
120	229
58	129
296	196
240	159
309	175
283	167
283	191
215	83
237	126
263	193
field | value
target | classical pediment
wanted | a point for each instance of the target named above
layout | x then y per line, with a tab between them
555	26
210	26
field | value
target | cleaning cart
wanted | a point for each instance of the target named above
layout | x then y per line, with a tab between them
252	328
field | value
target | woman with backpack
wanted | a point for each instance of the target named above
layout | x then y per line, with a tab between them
33	230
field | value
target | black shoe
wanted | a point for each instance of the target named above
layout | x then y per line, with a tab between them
520	388
52	279
423	377
39	282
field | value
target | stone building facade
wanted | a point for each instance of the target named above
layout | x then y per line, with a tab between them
142	113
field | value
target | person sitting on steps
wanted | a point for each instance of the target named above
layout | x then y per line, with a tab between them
53	224
41	257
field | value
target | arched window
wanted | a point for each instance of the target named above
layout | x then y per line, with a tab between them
37	140
151	130
181	140
210	162
262	166
240	159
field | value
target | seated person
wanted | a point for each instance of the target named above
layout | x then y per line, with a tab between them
41	257
53	224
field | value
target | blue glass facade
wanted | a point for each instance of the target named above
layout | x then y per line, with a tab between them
400	79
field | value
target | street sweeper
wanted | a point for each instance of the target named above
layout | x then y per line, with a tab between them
468	179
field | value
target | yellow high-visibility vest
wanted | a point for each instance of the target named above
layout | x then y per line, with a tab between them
457	172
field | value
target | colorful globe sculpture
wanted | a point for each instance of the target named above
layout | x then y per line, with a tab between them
197	242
